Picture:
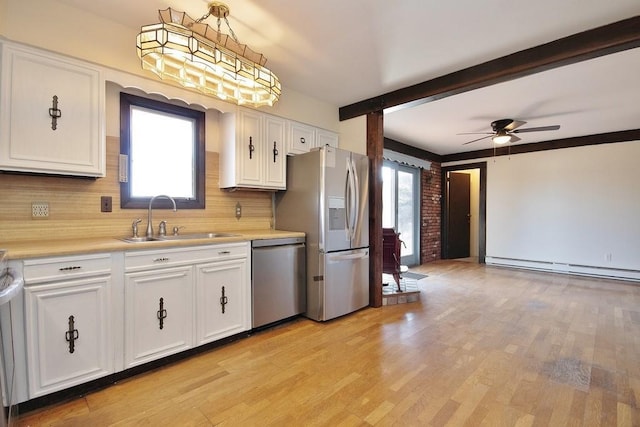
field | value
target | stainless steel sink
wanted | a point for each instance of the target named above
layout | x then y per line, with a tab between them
187	236
190	236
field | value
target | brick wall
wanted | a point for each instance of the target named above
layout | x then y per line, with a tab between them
430	214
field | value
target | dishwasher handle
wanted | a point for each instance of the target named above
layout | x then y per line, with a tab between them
263	248
261	243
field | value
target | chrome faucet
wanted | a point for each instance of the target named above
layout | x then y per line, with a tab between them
149	225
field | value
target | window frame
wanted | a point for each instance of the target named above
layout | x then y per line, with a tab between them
396	168
128	100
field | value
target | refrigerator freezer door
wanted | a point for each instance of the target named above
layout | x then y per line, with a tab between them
342	288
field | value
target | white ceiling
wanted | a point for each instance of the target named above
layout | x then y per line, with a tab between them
345	51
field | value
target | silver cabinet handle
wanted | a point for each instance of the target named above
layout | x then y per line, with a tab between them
224	252
163	259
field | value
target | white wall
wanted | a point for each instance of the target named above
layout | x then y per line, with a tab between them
575	210
353	135
56	26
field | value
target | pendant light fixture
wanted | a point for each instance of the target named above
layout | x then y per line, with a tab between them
198	56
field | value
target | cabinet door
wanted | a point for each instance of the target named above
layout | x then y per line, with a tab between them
275	153
68	334
302	138
222	300
158	315
250	149
325	137
37	87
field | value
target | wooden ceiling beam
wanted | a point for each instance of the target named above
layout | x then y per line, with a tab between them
605	40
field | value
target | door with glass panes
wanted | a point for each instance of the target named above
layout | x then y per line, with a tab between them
401	207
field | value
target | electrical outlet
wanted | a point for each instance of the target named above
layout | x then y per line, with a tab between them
39	210
238	211
105	204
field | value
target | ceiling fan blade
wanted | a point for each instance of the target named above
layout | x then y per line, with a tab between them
514	124
514	138
479	139
475	133
538	129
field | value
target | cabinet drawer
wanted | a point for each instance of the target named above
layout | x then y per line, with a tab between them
302	138
57	268
142	260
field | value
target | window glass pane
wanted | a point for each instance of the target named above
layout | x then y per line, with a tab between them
388	197
406	209
162	154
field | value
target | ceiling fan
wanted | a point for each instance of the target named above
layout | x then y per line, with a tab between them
504	130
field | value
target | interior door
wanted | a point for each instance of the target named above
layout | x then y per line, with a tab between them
459	214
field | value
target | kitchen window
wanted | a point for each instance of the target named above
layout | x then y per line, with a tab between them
165	153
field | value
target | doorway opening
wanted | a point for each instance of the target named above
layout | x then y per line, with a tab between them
464	211
401	207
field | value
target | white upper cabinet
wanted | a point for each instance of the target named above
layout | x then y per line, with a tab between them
52	114
252	152
302	138
276	158
325	137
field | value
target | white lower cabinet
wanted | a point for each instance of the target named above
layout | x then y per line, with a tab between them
176	299
221	300
88	316
69	339
157	314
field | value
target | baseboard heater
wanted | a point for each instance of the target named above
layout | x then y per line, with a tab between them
577	269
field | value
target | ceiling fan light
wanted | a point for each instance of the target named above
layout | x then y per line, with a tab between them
502	137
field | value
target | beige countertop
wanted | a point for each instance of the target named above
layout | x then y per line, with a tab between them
42	248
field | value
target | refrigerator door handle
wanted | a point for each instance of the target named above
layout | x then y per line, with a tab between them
347	196
358	255
352	197
356	199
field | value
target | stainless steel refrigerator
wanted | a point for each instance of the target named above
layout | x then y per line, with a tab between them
327	198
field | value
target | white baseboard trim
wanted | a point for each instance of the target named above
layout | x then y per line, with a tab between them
581	270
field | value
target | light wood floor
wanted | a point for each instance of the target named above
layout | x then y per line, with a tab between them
483	346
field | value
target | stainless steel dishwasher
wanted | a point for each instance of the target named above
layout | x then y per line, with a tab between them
278	279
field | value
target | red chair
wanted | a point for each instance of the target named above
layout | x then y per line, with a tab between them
391	255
